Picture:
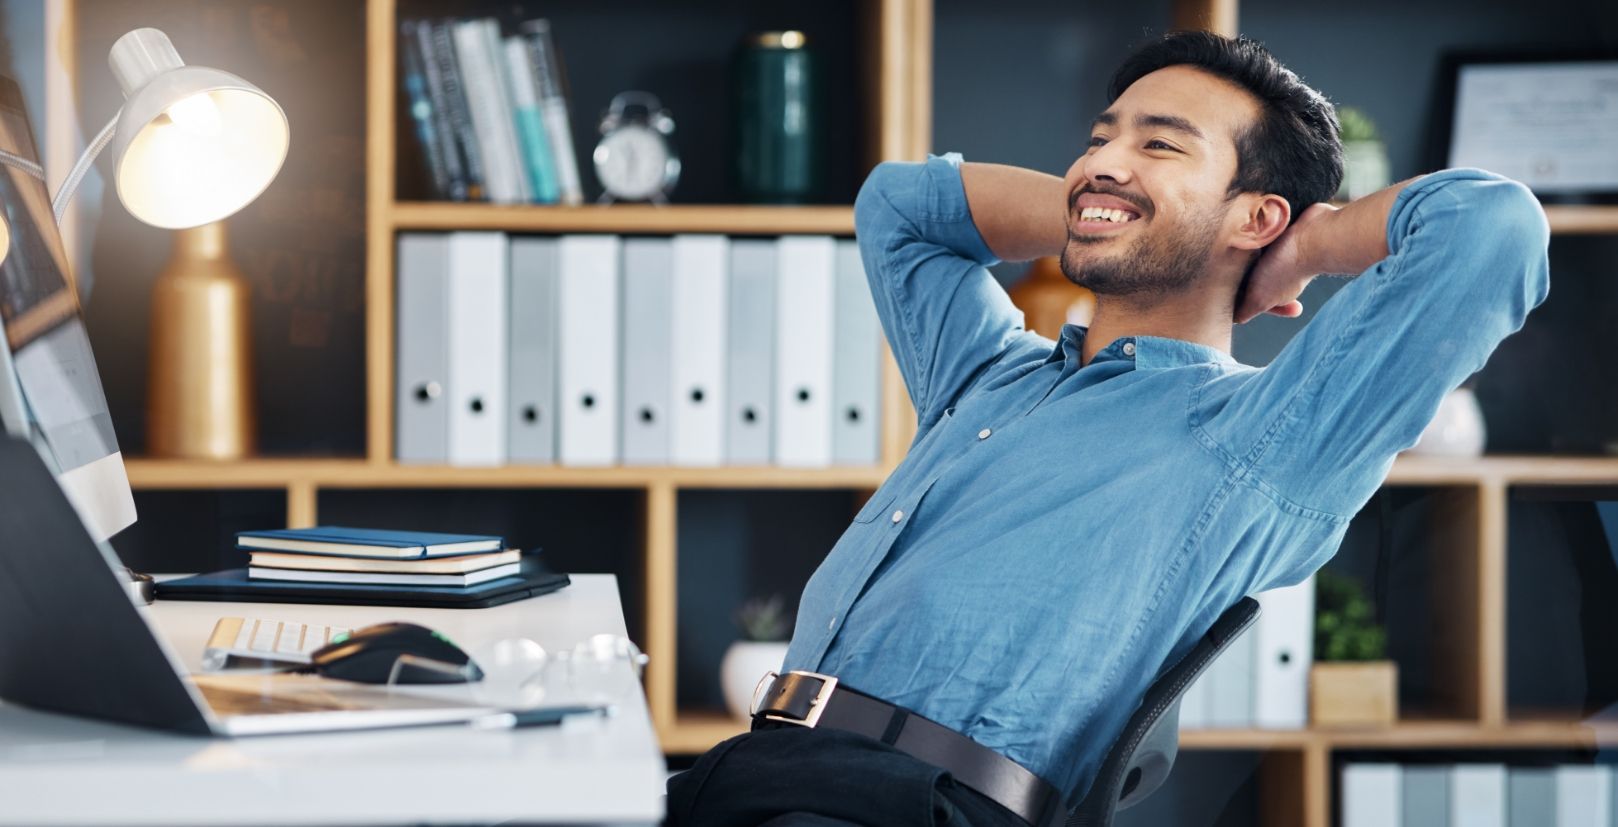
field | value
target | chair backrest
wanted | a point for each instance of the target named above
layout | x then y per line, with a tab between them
1141	758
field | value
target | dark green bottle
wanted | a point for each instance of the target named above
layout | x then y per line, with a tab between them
778	141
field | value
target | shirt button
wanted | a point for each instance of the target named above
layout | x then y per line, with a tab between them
984	434
898	515
1129	348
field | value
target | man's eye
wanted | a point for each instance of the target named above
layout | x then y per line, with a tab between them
1156	144
1097	141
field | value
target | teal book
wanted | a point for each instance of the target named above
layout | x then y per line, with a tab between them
538	160
340	541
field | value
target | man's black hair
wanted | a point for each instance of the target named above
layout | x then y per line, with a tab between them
1293	150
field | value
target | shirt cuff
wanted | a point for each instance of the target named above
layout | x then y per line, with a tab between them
947	213
1403	218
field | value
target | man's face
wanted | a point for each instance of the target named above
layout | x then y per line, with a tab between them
1161	158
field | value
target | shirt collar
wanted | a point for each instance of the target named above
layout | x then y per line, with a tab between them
1145	351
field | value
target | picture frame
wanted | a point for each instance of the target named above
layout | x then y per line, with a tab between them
1546	118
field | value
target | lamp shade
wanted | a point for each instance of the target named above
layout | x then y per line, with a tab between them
192	144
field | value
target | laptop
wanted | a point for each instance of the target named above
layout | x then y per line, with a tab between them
72	640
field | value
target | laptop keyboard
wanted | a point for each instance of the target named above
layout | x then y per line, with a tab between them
273	640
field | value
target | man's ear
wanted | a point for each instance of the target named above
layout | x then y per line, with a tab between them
1263	219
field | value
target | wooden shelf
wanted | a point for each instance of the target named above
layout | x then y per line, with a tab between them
358	473
696	732
625	219
1582	220
1504	470
147	473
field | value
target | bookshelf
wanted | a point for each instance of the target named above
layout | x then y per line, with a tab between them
896	38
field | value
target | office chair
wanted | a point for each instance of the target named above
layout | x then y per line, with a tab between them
1141	758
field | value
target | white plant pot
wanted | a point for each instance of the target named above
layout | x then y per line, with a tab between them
1456	430
1365	169
745	662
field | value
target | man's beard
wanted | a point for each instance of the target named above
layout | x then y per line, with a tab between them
1149	266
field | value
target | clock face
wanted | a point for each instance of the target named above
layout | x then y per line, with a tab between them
632	162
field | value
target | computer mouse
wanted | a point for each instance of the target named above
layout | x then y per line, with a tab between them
369	655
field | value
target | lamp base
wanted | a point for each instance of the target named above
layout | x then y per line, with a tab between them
200	401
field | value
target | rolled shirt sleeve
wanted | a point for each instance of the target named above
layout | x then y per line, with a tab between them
1467	262
945	316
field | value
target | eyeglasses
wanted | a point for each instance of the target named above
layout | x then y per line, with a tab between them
520	673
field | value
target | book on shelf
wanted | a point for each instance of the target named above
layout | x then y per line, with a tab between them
490	112
445	91
471	578
343	541
460	564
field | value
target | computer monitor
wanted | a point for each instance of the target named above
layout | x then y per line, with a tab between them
50	391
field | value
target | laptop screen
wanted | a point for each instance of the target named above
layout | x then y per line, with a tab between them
50	390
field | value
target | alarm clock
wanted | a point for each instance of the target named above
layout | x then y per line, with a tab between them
634	160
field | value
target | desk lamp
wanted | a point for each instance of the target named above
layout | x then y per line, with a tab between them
191	146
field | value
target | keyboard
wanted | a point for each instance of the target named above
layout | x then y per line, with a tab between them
265	640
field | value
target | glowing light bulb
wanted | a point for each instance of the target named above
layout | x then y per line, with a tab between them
198	115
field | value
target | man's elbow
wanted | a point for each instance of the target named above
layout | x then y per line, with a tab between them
1512	225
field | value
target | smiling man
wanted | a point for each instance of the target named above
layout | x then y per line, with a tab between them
1073	515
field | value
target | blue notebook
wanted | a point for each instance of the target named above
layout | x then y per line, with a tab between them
339	541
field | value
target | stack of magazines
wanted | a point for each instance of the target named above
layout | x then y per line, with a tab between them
334	554
490	113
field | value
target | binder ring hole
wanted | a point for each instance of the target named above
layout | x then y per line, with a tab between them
428	391
697	395
749	415
803	394
647	415
589	400
530	414
853	414
476	404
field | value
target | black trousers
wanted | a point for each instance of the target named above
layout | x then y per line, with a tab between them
790	776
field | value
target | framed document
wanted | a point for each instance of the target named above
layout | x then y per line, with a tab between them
1550	122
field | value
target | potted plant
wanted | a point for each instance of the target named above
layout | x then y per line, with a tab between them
1365	158
1352	683
763	648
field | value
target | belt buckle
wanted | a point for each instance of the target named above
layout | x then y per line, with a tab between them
816	706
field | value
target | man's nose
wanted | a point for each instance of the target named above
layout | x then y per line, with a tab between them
1109	163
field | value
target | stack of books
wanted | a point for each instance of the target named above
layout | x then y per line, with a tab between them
334	554
490	111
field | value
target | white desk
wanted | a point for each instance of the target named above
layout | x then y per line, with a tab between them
56	769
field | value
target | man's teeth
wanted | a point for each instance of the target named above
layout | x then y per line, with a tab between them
1103	214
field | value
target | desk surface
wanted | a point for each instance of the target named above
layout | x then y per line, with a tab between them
57	769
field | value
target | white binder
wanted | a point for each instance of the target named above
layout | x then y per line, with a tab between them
588	324
1477	794
1284	651
1583	795
857	366
750	353
531	419
1372	796
805	265
477	348
420	407
648	326
701	284
1230	685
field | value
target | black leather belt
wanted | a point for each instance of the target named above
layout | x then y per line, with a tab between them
812	700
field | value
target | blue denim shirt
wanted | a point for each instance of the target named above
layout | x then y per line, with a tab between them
1057	533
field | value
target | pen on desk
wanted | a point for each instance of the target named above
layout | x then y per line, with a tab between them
538	716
